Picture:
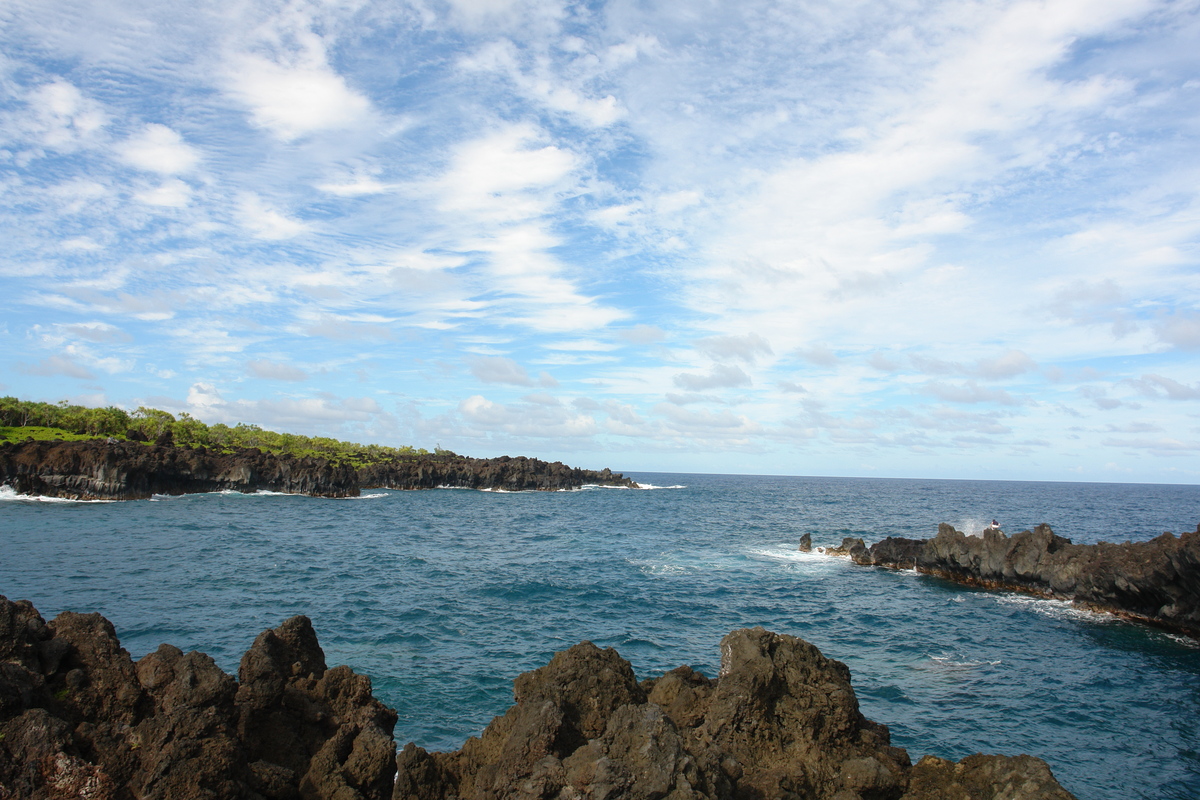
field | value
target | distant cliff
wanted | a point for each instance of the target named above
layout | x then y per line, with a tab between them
1157	582
80	718
116	470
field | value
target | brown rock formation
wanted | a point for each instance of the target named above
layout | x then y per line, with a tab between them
781	722
80	719
1157	582
115	470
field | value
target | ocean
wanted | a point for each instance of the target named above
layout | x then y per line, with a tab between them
444	596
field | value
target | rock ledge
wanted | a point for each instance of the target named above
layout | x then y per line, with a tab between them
1155	582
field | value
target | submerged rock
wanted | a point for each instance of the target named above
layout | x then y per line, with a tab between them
80	718
1157	582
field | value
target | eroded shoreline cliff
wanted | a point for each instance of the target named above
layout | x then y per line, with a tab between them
117	470
80	718
1155	582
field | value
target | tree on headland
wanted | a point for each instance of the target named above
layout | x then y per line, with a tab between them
154	425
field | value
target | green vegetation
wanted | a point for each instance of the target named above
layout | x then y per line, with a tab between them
22	419
41	433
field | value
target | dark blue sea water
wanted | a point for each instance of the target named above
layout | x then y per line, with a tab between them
443	597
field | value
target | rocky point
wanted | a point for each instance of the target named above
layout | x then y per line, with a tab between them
1155	582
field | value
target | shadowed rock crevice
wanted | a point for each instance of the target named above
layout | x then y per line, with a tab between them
1156	582
80	718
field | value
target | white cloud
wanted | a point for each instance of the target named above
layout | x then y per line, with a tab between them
643	334
62	118
541	84
499	369
173	193
1012	363
533	420
969	392
160	149
503	176
721	376
295	99
747	348
264	222
57	365
1151	384
275	370
819	354
1181	329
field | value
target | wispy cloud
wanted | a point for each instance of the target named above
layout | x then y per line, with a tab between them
790	238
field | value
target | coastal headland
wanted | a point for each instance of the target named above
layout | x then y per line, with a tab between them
80	718
99	469
1155	582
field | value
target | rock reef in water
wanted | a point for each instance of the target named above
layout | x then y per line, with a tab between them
1156	582
80	718
114	470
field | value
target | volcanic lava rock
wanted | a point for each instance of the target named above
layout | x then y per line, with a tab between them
505	473
1157	582
116	470
781	722
79	718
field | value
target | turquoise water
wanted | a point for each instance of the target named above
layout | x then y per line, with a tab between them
443	597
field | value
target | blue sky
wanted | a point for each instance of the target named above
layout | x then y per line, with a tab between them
924	239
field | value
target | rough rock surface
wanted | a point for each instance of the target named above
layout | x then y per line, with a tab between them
851	547
80	719
1157	582
781	722
104	470
114	470
518	474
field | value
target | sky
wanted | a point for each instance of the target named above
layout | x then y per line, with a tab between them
897	239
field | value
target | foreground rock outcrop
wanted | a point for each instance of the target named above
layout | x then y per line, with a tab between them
116	470
1156	582
80	719
781	722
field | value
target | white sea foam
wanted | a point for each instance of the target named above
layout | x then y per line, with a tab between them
9	493
1186	641
652	486
785	552
1056	609
957	663
648	567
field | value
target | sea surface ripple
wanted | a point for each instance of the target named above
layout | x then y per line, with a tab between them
443	597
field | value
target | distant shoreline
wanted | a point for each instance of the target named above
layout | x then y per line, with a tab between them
100	469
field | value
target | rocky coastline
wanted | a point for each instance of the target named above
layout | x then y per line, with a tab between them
1155	582
124	470
80	718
